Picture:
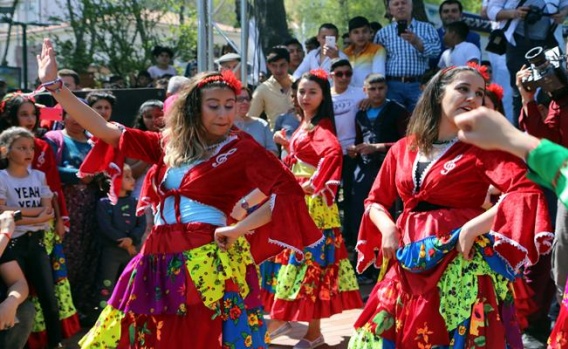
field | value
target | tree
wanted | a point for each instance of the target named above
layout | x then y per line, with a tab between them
270	16
121	34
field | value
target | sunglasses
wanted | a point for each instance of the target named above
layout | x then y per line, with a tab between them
243	99
340	74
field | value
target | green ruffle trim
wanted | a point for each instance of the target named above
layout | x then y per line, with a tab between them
106	332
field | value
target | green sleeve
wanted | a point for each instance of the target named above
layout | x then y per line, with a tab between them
548	164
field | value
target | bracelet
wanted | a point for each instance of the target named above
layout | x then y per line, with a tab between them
244	204
57	82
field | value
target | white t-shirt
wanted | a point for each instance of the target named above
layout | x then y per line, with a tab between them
24	192
459	55
157	73
345	107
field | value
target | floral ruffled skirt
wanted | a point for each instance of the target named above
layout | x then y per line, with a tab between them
320	285
182	290
559	337
431	297
67	314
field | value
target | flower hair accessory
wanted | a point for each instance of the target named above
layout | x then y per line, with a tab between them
9	96
481	69
226	77
496	89
320	73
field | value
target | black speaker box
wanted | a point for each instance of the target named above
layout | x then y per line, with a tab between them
128	101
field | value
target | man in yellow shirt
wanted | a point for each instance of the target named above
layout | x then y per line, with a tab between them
273	96
365	57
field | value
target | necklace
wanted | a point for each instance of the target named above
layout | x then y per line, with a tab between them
213	146
439	142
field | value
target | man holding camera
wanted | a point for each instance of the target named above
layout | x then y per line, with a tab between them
410	44
527	23
554	127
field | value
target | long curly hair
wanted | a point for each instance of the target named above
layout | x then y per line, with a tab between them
184	134
424	123
9	108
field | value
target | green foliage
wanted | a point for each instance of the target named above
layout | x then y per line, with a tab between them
120	35
309	15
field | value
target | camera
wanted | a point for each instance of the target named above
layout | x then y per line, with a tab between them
547	72
534	15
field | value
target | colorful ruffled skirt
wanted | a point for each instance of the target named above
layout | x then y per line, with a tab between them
431	297
67	314
320	285
183	291
559	337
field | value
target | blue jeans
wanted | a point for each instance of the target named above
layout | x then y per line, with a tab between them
405	93
17	336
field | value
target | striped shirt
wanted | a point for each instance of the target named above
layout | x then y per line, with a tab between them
403	59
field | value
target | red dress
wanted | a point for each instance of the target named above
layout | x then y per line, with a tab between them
324	282
181	283
430	295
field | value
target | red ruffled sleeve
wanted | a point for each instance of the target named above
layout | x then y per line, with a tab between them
103	158
291	225
327	177
521	229
382	196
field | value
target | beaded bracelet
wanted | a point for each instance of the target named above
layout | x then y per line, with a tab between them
57	82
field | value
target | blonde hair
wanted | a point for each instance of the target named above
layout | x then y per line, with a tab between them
10	135
184	134
424	123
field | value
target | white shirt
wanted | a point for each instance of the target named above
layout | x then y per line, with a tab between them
552	6
156	72
312	61
459	55
345	107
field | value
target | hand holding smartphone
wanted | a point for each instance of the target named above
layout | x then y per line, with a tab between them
401	26
330	41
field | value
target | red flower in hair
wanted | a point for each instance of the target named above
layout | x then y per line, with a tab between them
481	69
496	89
227	77
320	73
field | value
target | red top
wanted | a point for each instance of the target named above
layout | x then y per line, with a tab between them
553	127
237	167
44	161
457	182
321	149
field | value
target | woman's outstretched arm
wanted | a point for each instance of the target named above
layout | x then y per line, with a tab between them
83	114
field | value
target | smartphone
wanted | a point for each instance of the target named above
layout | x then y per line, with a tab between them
17	215
330	41
401	26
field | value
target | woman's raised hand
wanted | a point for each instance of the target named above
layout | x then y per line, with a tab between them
46	62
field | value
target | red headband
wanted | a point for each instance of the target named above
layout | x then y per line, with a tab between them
225	77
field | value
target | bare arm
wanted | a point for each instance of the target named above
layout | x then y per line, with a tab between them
83	114
226	236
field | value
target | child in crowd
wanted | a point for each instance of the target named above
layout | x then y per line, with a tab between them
25	189
163	57
378	128
459	52
120	231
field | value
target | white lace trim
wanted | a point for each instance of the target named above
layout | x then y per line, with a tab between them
143	203
360	259
430	165
547	242
525	261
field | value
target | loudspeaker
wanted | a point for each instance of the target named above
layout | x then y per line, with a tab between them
128	101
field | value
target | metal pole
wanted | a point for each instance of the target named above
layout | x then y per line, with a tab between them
210	54
244	41
25	55
201	36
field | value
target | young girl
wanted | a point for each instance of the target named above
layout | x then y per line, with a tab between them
25	189
190	277
324	283
120	232
448	262
19	110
